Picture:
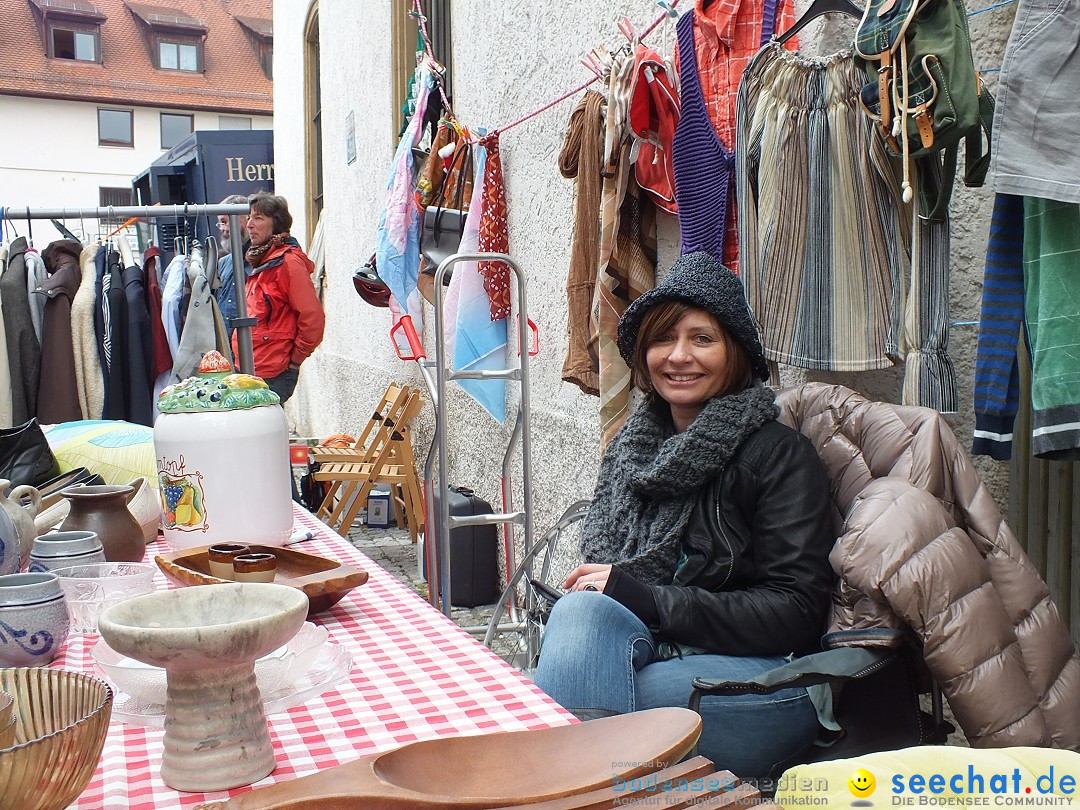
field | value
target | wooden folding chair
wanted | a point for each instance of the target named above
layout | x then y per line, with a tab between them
388	460
371	441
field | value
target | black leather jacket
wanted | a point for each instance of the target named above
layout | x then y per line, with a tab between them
755	578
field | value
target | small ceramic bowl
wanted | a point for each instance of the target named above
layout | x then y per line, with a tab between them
89	589
36	618
64	549
260	566
221	556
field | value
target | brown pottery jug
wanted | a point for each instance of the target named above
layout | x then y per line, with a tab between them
103	509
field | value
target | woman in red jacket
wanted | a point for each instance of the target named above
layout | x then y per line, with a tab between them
289	319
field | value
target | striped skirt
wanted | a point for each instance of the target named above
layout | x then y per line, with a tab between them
825	239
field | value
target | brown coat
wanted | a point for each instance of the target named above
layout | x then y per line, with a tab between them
58	390
923	545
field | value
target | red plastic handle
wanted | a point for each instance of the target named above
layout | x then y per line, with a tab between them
534	347
415	346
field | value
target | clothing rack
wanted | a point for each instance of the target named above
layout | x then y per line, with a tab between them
234	211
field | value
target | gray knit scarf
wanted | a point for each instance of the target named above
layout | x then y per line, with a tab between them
650	478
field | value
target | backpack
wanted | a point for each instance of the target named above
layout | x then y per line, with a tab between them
312	492
925	94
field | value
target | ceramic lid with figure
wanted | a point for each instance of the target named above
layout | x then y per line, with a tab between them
216	388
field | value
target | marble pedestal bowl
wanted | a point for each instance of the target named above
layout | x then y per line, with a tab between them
207	639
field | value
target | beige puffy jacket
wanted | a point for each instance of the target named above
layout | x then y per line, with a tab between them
923	545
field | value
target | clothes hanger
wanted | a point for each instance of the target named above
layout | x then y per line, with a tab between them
29	231
127	258
817	9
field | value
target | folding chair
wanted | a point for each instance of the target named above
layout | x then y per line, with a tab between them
388	458
371	440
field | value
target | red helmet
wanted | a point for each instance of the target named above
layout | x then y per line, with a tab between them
369	286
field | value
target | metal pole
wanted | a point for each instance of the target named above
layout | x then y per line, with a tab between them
127	211
246	359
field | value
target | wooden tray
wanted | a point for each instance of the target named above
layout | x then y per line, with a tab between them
324	580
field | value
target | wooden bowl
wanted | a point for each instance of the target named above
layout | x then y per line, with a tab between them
324	580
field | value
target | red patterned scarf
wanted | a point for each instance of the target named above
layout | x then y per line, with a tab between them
494	237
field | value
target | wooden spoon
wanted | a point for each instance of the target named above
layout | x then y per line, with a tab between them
491	770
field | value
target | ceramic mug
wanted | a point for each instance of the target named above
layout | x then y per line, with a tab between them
33	619
257	566
64	549
221	558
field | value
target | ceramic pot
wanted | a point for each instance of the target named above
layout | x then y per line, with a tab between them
143	503
221	556
224	477
65	549
21	516
255	567
33	619
10	559
103	509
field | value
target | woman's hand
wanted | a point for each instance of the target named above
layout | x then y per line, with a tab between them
588	577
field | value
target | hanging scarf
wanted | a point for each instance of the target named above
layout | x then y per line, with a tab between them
651	477
494	237
256	254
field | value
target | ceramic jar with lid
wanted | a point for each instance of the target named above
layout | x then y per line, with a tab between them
222	448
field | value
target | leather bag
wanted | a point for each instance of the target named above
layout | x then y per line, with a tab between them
25	455
444	223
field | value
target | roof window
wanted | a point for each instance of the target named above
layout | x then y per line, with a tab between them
71	29
174	39
260	35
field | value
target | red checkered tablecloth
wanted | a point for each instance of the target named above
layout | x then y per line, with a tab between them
416	675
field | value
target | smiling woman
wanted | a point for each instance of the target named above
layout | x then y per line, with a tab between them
708	535
685	357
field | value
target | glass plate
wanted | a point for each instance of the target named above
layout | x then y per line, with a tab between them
331	666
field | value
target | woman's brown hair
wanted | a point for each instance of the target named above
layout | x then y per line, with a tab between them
275	207
662	318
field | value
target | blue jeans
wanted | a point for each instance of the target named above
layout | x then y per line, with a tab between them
596	654
284	384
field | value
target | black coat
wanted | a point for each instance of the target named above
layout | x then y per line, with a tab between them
755	578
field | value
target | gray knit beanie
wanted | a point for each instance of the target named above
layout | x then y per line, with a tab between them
700	280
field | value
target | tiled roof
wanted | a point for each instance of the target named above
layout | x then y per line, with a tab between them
232	80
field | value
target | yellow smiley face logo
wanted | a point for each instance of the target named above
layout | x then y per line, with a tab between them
861	783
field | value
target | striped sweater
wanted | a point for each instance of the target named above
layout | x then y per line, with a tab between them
997	381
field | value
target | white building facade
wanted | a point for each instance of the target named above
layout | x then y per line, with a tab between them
32	175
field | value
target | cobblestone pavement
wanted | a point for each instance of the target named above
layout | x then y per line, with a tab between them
393	550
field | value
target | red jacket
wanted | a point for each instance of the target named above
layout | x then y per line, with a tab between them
289	319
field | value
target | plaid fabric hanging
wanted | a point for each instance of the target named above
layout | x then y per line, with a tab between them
494	237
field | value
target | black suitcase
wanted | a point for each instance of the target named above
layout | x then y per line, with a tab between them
474	566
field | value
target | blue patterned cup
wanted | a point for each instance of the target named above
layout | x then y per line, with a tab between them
65	549
33	619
